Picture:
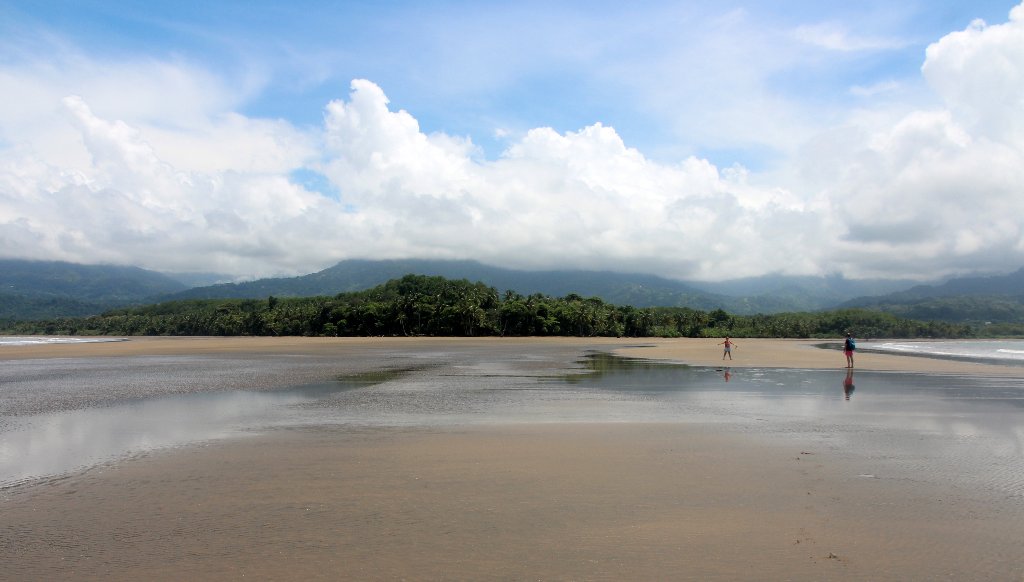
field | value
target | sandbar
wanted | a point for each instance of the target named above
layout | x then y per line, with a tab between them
755	352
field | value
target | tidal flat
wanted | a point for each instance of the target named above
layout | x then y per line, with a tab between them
502	459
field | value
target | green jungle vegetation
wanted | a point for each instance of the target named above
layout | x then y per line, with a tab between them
83	282
51	289
14	306
960	308
418	305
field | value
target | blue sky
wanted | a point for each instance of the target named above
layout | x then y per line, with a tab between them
701	140
471	68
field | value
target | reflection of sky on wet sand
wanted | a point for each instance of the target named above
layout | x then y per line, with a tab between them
924	423
956	405
52	444
966	427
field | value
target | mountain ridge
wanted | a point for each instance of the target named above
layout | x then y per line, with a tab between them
638	290
1010	284
41	289
981	299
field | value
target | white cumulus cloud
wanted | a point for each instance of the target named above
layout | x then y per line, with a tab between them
938	191
152	164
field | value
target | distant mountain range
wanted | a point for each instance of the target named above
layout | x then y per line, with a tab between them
998	298
1011	285
39	290
357	275
757	295
43	289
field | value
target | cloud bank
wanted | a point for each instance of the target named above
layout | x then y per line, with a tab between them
150	165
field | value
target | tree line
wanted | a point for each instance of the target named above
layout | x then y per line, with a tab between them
418	305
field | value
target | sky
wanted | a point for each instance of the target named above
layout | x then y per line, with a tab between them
695	140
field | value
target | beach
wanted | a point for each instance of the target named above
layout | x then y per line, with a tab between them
474	459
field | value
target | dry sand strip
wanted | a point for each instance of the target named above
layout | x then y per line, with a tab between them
761	353
804	354
193	345
540	502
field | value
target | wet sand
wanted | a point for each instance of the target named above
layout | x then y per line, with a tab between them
529	500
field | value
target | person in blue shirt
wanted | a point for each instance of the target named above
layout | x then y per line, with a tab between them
848	348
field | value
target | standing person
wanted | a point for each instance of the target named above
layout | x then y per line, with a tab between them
728	343
848	348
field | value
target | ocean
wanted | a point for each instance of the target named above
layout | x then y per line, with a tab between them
43	340
994	351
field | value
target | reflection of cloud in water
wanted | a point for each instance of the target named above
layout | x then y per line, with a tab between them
940	427
955	405
815	393
51	444
965	422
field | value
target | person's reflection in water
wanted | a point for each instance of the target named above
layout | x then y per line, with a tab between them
848	383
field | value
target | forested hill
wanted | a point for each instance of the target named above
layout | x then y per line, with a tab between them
359	275
804	292
638	290
39	289
1011	285
93	282
997	300
435	306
